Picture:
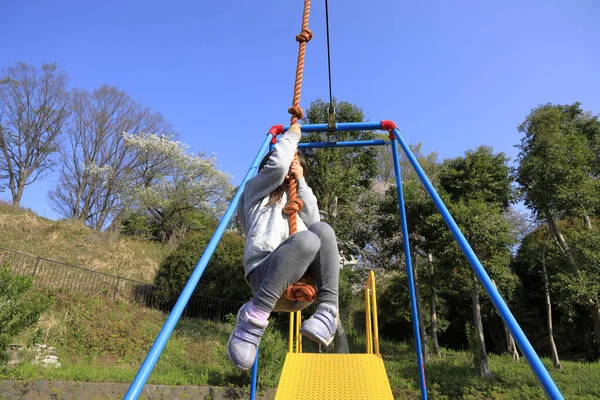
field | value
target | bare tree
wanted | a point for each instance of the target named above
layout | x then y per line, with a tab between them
96	163
33	112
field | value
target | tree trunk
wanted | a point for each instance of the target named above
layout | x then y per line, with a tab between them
422	331
482	367
18	194
332	212
560	241
16	201
555	358
432	306
512	346
595	303
13	189
587	222
510	341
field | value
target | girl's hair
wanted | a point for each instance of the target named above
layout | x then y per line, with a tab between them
277	194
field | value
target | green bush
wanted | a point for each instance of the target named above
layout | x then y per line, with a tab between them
136	224
144	225
224	274
352	307
20	307
393	305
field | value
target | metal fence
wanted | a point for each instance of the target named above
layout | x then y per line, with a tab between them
56	275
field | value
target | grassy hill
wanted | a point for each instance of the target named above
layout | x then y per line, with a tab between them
98	339
101	340
74	243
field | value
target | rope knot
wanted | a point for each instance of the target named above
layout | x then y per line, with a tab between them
294	205
296	112
303	290
304	36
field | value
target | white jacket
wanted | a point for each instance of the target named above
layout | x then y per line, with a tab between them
266	226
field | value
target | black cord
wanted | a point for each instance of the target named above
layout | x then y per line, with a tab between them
331	105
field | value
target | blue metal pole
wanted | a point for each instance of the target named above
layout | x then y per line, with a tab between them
343	126
355	143
534	361
254	377
409	273
159	344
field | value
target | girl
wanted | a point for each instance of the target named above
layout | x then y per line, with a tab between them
273	260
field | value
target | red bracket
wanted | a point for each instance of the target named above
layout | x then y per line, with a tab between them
275	130
389	126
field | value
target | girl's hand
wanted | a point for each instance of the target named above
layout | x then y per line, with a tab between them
296	169
296	128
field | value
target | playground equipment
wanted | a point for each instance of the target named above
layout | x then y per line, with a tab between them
532	358
336	376
363	373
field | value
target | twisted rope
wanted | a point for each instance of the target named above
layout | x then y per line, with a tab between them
302	38
293	205
304	289
297	113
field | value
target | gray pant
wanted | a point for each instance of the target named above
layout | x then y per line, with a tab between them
314	251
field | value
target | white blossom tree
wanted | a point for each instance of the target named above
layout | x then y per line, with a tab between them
169	182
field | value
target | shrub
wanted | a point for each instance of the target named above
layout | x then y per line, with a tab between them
20	307
224	274
174	229
394	310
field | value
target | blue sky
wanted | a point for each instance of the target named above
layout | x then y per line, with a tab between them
452	74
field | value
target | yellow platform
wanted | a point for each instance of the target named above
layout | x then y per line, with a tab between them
309	376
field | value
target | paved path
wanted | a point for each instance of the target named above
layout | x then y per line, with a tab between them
59	390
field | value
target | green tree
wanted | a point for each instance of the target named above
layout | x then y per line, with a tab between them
339	175
140	224
541	267
479	188
536	256
418	208
558	169
558	174
224	274
582	288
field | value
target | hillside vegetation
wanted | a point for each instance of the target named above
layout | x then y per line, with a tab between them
73	243
100	340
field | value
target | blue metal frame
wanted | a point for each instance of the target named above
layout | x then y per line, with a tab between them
534	361
356	143
254	378
344	126
409	273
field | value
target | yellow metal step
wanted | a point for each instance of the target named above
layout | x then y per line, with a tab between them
309	376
